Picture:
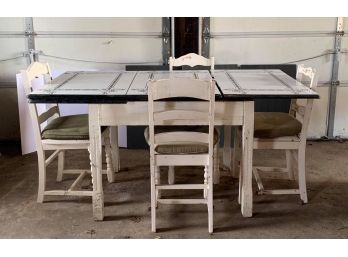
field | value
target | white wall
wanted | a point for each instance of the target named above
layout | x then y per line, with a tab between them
252	44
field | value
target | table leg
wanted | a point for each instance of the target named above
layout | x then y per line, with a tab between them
115	149
227	151
236	156
247	159
95	150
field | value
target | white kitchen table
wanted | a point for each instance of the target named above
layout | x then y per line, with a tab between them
118	98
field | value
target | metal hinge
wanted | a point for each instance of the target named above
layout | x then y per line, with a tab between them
32	54
29	33
335	83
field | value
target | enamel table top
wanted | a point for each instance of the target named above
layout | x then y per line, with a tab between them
124	86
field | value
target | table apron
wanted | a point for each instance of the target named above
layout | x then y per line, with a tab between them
136	113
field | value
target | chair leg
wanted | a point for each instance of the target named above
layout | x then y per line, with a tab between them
216	169
171	175
205	192
240	187
60	170
109	164
290	163
210	200
153	198
237	164
236	154
302	174
115	149
157	182
42	175
258	180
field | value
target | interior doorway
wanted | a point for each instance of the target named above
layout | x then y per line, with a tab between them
186	31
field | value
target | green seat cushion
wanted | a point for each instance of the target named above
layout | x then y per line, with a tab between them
182	148
275	124
73	127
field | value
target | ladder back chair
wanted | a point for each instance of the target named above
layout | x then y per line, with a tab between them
191	60
59	133
287	132
177	146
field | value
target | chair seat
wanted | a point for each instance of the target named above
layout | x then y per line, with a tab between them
182	148
275	124
72	127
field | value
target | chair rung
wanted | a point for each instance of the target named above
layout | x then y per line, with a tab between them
78	181
183	201
73	171
181	186
70	193
280	192
270	169
51	157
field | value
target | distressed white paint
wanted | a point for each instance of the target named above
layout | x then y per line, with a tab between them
26	127
295	146
32	73
166	89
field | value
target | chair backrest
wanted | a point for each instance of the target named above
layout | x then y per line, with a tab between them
169	113
301	108
35	70
191	60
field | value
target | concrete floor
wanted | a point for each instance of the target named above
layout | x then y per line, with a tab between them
127	202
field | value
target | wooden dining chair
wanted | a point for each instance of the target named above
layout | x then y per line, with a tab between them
60	133
180	145
193	60
285	131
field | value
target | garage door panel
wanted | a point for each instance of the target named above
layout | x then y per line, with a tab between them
99	24
275	51
272	24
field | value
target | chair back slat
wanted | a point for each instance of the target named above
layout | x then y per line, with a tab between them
185	137
191	60
48	114
180	87
184	115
